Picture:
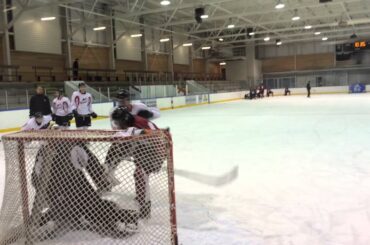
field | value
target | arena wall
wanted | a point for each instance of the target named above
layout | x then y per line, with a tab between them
16	118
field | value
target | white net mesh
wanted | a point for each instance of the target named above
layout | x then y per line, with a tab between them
88	187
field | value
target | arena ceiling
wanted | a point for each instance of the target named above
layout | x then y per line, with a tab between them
337	20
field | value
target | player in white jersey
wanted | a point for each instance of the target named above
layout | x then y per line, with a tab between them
137	108
37	122
62	110
82	107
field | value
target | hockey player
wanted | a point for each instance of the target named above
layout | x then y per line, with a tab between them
82	107
308	86
122	119
65	196
37	122
137	108
40	103
62	110
286	91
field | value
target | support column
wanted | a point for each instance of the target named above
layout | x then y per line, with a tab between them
6	43
191	63
112	37
253	65
144	54
66	31
171	60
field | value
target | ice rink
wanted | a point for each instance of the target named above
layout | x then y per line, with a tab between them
304	171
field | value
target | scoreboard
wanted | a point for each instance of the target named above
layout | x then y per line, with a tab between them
347	50
361	45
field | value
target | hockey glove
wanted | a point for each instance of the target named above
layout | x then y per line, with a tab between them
75	113
69	116
145	114
93	115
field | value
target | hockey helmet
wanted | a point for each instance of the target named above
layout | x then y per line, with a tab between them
123	94
122	118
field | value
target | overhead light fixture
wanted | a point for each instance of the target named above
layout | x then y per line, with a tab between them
206	47
187	44
279	5
163	40
100	28
165	3
296	16
358	21
48	18
231	24
9	9
266	39
307	27
200	14
222	63
221	39
252	34
137	35
325	38
317	33
278	42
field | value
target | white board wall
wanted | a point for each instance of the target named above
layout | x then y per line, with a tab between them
34	35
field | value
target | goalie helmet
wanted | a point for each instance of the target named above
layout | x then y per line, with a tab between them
122	118
123	94
38	117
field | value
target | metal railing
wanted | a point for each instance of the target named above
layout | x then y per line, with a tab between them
335	77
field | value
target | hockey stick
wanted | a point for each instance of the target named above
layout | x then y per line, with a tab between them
220	180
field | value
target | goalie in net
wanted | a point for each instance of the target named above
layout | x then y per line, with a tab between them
65	197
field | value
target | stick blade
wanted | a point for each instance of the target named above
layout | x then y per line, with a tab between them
220	180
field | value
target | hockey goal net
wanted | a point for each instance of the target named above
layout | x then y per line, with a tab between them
88	187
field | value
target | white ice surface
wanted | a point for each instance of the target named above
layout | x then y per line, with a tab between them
304	171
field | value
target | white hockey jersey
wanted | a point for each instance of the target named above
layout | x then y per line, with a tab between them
61	106
138	106
82	103
132	131
31	124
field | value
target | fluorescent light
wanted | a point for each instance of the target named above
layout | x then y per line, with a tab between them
9	9
204	16
221	39
307	27
187	44
48	18
325	38
231	26
252	34
165	3
137	35
163	40
206	47
358	21
296	18
280	5
279	43
100	28
266	39
222	63
317	33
